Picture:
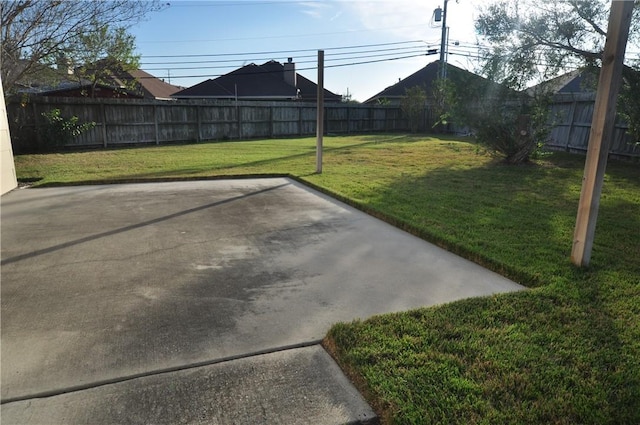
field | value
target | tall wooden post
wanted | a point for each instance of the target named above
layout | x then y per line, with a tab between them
320	112
602	130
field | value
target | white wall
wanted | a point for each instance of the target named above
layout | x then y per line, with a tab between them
7	167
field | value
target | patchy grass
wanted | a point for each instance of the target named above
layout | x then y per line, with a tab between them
566	351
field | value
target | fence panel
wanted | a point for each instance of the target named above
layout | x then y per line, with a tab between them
122	122
571	116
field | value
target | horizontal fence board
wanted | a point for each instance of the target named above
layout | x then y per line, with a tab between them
125	121
120	122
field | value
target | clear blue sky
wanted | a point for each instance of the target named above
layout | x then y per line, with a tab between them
229	34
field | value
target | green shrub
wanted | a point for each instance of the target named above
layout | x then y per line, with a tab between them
59	131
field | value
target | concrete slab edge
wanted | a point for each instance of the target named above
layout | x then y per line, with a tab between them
120	379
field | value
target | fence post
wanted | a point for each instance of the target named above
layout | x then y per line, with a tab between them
386	121
36	122
572	117
199	124
155	124
271	121
348	118
103	112
300	109
239	118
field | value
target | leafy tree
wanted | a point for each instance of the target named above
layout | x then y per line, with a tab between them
37	33
628	102
444	100
413	105
532	39
105	52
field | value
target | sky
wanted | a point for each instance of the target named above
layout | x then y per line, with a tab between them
369	45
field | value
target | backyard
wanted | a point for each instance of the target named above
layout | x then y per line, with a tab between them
565	351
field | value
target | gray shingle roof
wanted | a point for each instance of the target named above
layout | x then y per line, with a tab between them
253	81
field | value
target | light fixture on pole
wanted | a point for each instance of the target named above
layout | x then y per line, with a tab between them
441	15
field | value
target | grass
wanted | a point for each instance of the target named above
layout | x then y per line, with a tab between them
565	351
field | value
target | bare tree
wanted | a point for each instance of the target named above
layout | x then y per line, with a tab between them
39	34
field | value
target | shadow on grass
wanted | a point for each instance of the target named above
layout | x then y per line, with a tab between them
277	165
564	352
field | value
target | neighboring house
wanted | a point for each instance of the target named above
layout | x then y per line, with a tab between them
269	81
134	84
152	87
82	88
576	81
425	78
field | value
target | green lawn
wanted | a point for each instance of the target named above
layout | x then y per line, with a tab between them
566	351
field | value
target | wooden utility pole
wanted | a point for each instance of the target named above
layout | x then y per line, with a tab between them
602	130
320	112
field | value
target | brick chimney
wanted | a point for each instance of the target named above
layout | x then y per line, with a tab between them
290	73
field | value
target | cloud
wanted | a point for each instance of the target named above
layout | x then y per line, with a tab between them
399	17
413	19
315	10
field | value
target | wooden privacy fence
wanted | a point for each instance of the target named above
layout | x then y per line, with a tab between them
121	122
125	122
571	116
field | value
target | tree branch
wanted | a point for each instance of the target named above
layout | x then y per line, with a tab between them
588	19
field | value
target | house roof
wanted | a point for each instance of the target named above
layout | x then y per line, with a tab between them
576	81
153	87
70	87
253	81
425	78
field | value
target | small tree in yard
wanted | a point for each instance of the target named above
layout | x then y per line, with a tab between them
36	34
508	124
515	129
105	52
444	98
413	105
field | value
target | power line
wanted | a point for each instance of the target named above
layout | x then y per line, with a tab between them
381	55
300	69
256	59
282	51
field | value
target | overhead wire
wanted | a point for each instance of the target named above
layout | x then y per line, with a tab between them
302	69
281	51
254	59
338	56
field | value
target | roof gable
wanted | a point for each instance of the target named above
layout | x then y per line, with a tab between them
576	81
152	86
425	78
248	81
253	81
